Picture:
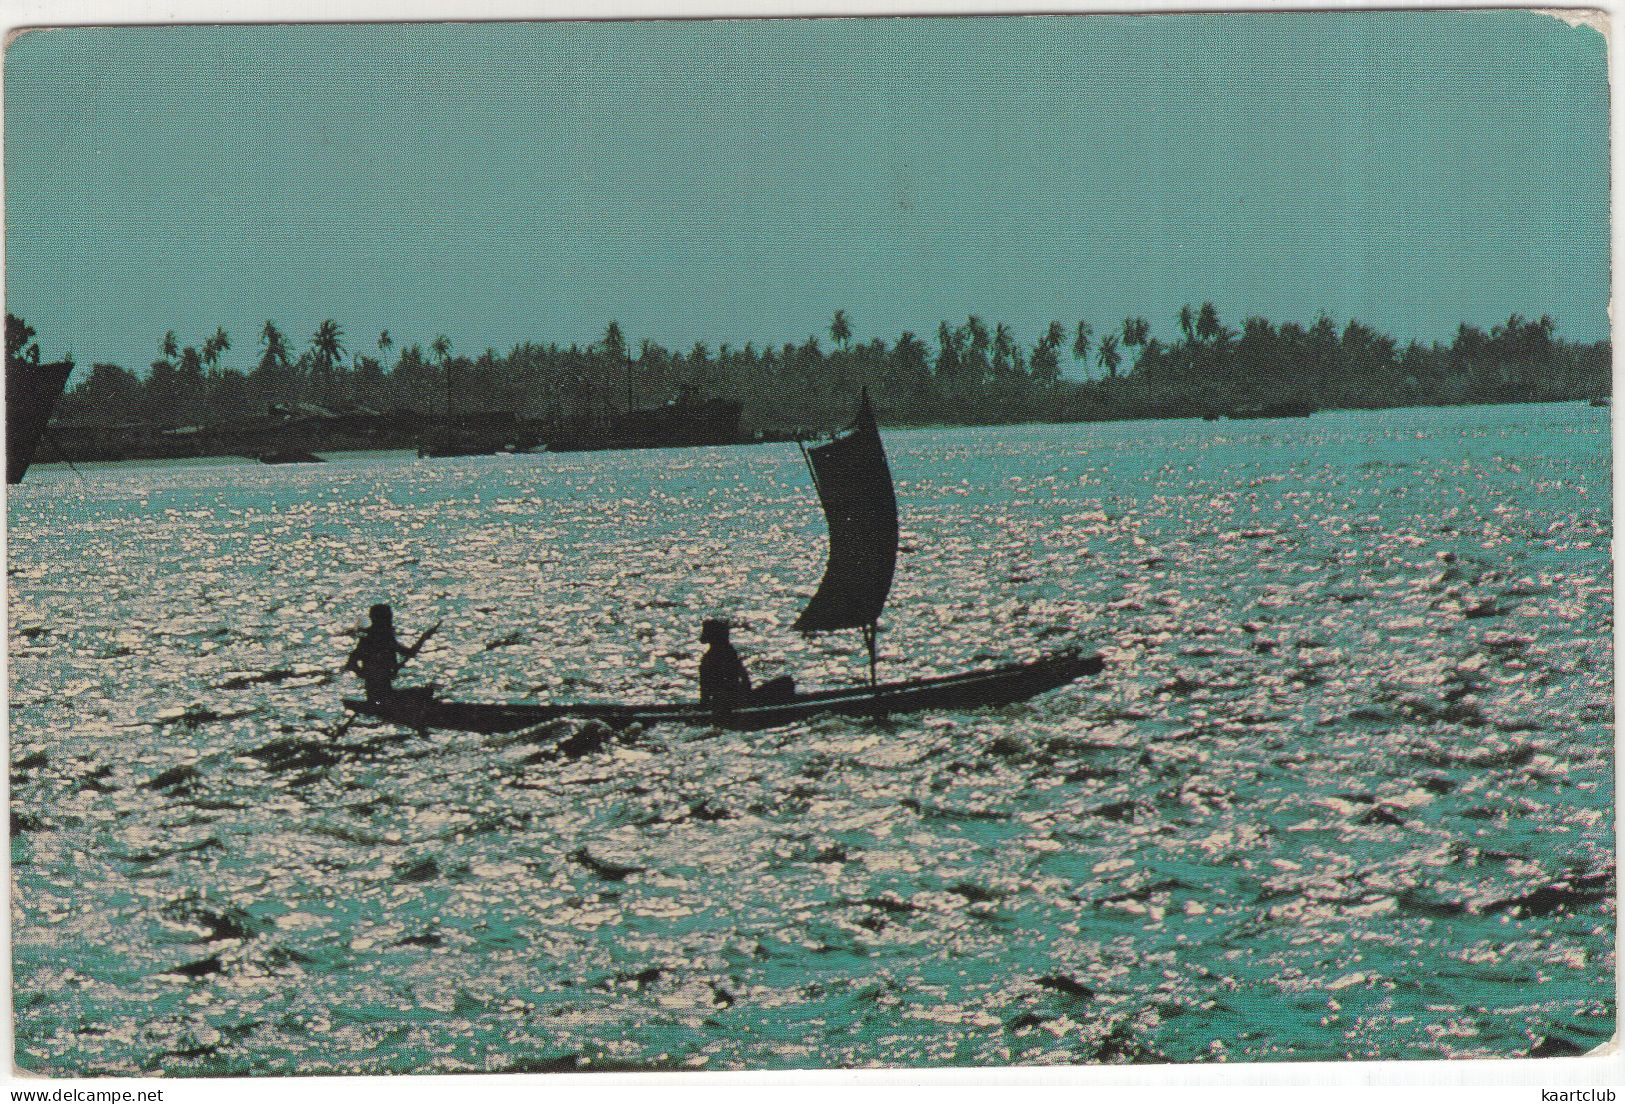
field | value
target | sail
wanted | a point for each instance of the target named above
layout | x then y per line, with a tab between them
855	488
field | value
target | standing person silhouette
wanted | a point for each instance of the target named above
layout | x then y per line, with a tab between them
378	655
724	682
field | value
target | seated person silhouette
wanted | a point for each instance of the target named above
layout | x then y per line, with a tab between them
377	655
724	682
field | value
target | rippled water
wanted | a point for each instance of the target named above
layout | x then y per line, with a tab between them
1343	791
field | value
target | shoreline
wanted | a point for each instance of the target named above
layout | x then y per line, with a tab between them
237	459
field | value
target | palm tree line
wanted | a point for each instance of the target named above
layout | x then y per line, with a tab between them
972	373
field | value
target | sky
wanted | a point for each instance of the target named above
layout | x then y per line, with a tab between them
740	180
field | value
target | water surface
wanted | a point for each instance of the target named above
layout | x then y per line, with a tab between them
1344	790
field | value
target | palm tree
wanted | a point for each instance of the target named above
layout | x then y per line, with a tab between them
977	329
1080	344
614	345
441	348
840	330
1187	322
272	378
1046	362
327	344
1135	331
171	347
1208	327
1004	346
1110	358
276	346
948	355
215	345
385	343
326	349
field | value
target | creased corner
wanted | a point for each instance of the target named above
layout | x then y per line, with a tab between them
1595	18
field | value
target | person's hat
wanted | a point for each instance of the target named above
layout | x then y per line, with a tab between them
714	630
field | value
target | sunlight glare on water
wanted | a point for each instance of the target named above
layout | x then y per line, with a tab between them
1344	789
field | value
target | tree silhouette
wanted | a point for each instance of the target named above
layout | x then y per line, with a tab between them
796	385
1046	363
978	341
1004	348
1080	343
108	388
1110	358
214	345
190	388
327	345
276	346
385	343
1208	326
840	330
977	330
910	350
18	336
325	354
1187	323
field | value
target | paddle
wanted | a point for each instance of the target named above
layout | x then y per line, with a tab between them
422	640
407	656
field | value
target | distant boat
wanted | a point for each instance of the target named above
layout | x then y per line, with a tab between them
854	486
472	443
685	421
289	456
32	392
474	433
1290	408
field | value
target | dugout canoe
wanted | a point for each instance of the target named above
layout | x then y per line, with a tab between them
420	707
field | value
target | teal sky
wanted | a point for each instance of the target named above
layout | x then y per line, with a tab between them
740	180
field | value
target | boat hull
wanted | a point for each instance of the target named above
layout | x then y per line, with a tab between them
417	707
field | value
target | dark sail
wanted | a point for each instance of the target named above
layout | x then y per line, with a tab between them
31	394
855	488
